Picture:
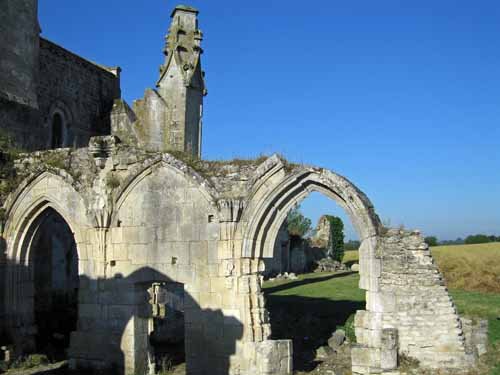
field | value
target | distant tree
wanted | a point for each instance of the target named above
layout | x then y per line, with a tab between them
477	238
352	245
297	224
336	240
458	241
431	241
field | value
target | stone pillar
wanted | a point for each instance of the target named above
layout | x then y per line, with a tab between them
90	343
366	355
260	355
135	345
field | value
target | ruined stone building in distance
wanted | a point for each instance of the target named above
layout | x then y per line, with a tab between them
121	229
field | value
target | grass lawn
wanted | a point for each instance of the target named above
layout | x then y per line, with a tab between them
308	309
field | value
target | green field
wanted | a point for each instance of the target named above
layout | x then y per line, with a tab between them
308	309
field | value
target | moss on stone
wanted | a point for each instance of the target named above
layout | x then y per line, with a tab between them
55	160
112	181
9	178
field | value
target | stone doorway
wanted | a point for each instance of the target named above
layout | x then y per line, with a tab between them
56	283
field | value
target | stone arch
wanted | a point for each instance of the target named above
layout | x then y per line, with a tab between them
29	224
38	192
384	255
276	189
161	223
144	170
271	201
26	209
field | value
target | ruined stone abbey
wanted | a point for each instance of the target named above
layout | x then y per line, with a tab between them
113	219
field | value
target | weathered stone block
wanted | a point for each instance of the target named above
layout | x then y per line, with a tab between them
274	357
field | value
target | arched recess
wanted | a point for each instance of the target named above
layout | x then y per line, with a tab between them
138	175
59	121
26	211
161	222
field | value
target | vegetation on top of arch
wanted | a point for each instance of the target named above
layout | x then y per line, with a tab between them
9	179
16	166
222	168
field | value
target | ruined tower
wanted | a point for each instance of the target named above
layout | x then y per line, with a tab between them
181	82
169	117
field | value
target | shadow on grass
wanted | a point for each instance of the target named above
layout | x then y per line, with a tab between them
295	284
308	322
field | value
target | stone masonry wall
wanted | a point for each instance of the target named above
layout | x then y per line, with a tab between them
416	302
19	51
19	123
83	89
39	78
166	228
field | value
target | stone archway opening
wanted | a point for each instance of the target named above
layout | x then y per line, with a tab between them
44	296
298	249
54	261
309	294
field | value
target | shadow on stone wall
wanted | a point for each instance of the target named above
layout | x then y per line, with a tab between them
112	329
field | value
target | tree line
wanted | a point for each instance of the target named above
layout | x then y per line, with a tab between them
469	240
300	226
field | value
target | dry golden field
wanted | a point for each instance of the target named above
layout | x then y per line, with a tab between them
470	267
466	267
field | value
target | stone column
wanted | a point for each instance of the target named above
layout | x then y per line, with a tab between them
366	355
88	345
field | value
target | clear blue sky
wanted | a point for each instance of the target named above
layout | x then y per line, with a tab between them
403	98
